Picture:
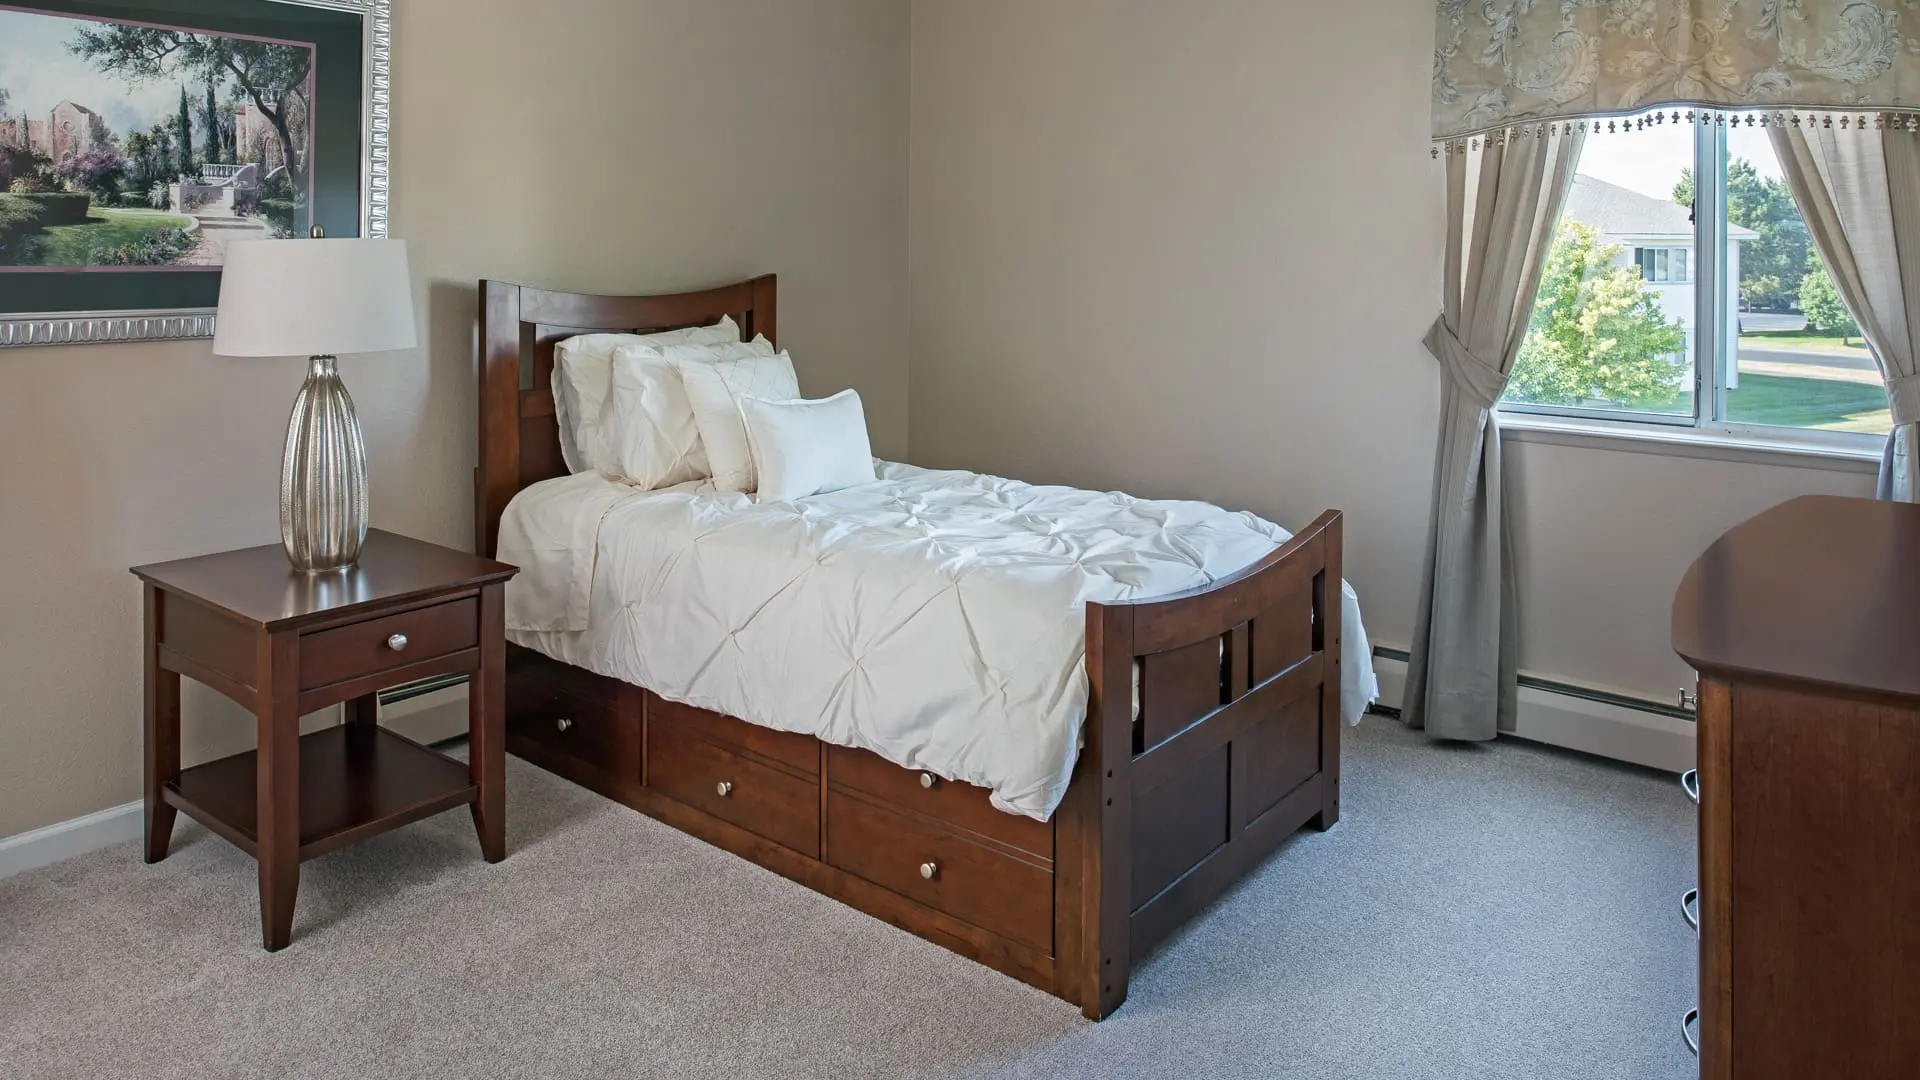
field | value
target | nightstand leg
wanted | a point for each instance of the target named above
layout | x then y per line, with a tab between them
487	727
162	733
363	711
277	786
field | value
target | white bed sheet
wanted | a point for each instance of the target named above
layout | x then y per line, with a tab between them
934	618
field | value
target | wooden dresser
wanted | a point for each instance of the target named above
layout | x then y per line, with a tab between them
1804	624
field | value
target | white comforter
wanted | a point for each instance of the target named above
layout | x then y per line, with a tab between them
935	618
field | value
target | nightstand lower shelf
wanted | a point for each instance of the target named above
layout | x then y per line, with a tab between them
356	781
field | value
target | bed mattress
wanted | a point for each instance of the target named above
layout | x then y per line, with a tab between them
936	618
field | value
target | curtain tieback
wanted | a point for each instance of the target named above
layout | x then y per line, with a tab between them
1473	376
1903	393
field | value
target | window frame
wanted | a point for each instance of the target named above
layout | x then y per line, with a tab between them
1715	345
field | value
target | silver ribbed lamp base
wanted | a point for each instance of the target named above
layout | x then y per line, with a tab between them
323	476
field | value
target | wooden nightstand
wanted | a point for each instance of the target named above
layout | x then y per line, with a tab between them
285	643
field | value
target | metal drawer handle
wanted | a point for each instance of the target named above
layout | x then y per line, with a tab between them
1687	1024
928	869
1690	783
1690	908
397	642
563	723
929	781
724	788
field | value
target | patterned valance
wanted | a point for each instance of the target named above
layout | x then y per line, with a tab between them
1504	62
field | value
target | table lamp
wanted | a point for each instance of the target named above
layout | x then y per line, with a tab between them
318	298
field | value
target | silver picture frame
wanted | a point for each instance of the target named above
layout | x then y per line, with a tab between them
103	327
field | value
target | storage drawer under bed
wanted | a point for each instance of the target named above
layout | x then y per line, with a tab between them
734	787
992	888
568	712
963	806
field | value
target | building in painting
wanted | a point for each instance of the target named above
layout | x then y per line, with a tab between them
20	133
72	130
255	139
68	130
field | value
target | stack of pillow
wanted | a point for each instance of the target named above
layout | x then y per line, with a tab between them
654	410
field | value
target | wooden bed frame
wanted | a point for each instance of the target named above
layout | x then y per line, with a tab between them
1235	746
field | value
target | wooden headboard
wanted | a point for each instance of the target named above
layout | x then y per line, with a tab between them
519	326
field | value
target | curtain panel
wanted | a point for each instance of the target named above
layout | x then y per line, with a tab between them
1503	200
1860	194
1503	62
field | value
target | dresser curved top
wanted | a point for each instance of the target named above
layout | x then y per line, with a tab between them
1821	590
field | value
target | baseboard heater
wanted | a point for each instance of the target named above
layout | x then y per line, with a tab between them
421	688
1658	734
1642	731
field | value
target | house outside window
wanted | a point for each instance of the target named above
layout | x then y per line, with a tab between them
1693	304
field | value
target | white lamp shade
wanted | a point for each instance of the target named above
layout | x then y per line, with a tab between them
314	298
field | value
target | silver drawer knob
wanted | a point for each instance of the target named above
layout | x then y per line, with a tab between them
928	780
397	642
563	723
724	788
928	869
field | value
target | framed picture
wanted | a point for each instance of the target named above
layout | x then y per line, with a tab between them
139	138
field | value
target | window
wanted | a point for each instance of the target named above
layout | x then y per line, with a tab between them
1663	265
1682	289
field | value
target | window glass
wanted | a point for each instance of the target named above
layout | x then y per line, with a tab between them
1800	359
1612	325
1615	328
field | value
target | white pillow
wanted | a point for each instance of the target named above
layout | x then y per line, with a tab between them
583	376
803	448
649	425
715	389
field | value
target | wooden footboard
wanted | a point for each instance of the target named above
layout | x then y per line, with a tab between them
1235	745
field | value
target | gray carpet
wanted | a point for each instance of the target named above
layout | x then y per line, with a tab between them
1503	911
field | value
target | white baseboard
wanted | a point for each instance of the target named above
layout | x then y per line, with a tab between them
63	840
1613	731
427	718
1593	727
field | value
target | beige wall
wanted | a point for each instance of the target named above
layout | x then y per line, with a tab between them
1602	538
1147	251
606	145
1151	249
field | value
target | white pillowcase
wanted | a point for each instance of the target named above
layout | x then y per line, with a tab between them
715	389
650	428
803	448
583	378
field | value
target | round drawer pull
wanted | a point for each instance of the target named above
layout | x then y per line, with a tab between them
1690	909
1687	1025
928	869
929	781
1690	783
397	642
563	723
724	788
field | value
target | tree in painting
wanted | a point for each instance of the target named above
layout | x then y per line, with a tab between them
272	77
146	146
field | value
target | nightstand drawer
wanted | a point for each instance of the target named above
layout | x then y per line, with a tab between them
368	648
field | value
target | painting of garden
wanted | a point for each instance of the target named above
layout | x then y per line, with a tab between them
130	145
